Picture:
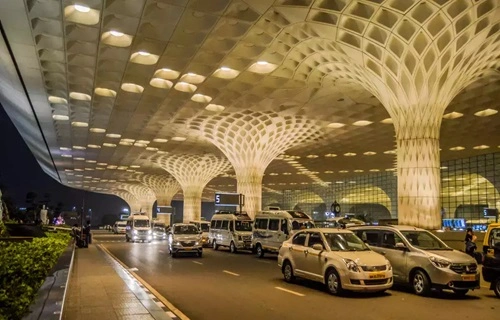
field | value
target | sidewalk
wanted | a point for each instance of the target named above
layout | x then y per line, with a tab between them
99	288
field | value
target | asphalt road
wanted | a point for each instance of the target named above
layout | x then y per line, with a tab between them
221	285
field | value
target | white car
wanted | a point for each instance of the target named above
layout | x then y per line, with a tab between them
337	258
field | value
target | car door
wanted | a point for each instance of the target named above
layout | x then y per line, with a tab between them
396	256
273	232
314	259
297	249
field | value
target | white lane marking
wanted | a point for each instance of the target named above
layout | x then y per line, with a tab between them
171	314
231	273
290	291
133	269
197	262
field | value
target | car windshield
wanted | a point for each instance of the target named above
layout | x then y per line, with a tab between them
299	225
205	227
424	240
186	229
159	229
121	224
141	223
345	242
243	225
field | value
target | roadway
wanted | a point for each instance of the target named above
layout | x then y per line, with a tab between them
221	285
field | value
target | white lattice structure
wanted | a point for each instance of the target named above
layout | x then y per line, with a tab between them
129	198
251	140
193	172
165	188
415	57
144	195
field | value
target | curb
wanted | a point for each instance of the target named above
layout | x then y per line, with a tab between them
160	301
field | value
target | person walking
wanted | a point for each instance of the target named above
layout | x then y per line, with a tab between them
470	242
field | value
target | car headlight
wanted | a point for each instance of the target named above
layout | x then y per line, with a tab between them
196	243
351	265
440	263
177	243
150	232
135	231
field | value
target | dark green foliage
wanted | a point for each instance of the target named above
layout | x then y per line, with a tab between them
23	268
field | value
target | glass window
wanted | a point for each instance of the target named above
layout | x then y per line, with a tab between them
370	237
494	237
224	224
284	226
315	238
261	224
299	225
218	225
300	239
424	240
231	226
141	223
212	224
204	227
389	239
344	241
274	224
186	229
243	225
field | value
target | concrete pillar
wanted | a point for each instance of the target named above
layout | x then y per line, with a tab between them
165	187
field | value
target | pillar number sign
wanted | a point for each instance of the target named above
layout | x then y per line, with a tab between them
229	199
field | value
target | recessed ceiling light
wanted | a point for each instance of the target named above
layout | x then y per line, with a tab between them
358	170
344	171
160	140
362	123
162	152
273	174
94	146
141	145
132	88
387	121
349	154
60	117
79	124
458	148
226	73
486	113
161	83
192	78
112	168
151	149
78	169
122	168
66	155
143	141
113	135
57	100
330	155
179	139
79	147
312	156
79	159
102	164
80	96
127	140
143	53
115	33
91	161
262	67
453	115
215	107
144	57
185	87
105	92
201	98
287	174
481	147
166	73
329	171
339	182
125	143
374	170
135	166
369	153
97	130
89	169
64	148
391	169
81	8
109	145
335	125
390	152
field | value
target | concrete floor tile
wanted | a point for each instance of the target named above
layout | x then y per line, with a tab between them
136	317
131	311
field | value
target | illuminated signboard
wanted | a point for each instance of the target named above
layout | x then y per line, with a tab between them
228	199
164	209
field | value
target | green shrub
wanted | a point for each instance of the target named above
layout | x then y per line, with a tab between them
3	230
23	268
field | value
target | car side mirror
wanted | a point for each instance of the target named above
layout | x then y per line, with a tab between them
318	247
400	246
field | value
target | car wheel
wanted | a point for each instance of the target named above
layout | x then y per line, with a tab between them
460	293
420	283
496	286
259	251
232	247
332	281
288	272
214	245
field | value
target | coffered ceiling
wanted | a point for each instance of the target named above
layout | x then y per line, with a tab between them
115	84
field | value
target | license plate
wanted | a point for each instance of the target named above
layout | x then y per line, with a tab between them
376	275
471	277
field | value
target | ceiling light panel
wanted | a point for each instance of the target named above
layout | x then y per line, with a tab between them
167	74
262	67
387	121
97	130
362	123
201	98
79	124
215	107
335	125
178	139
116	39
60	117
226	73
80	96
161	83
457	148
57	100
132	87
144	57
103	92
185	87
486	113
81	14
192	78
453	115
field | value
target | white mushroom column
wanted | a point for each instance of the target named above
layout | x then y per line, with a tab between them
251	140
165	187
129	198
144	195
193	172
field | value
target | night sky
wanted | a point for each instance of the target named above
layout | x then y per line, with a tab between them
20	174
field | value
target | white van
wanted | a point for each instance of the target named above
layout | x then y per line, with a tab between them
138	228
230	229
273	227
120	227
204	227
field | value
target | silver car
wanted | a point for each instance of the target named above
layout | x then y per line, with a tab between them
185	238
421	259
335	257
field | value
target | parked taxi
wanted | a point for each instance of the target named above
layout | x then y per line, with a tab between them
335	257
